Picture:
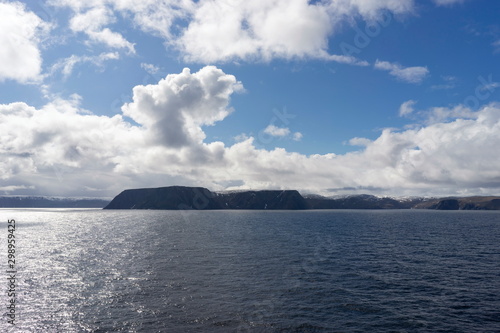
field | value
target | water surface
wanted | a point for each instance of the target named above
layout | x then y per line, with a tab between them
255	271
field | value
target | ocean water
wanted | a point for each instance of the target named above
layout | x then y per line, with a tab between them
253	271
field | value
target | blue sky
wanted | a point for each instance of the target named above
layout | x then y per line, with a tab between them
332	97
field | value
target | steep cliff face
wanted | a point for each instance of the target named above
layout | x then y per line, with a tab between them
180	197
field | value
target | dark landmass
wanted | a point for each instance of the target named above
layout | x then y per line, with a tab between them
49	202
289	199
173	197
466	203
199	198
362	201
181	197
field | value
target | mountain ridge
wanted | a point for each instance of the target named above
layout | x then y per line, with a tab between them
200	198
50	202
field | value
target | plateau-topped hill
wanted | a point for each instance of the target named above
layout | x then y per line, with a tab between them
181	197
173	197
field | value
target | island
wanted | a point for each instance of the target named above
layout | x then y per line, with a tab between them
200	198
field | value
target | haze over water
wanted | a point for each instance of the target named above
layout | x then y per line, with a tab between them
255	271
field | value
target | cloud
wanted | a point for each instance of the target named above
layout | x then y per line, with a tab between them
406	74
92	23
447	2
435	115
7	189
21	33
277	131
496	45
157	17
66	150
363	142
483	91
241	137
175	109
406	108
445	114
491	86
265	30
150	68
151	16
223	31
441	158
350	60
371	9
67	65
60	143
297	136
450	82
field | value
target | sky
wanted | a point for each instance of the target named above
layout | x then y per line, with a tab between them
334	97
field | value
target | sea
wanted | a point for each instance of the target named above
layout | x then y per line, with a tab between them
90	270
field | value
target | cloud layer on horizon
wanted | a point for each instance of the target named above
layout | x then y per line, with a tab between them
65	150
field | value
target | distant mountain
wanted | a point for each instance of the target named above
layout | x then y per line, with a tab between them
182	197
362	201
50	202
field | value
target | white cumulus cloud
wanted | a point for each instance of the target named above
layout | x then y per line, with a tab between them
66	150
175	109
21	32
222	30
92	23
277	131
